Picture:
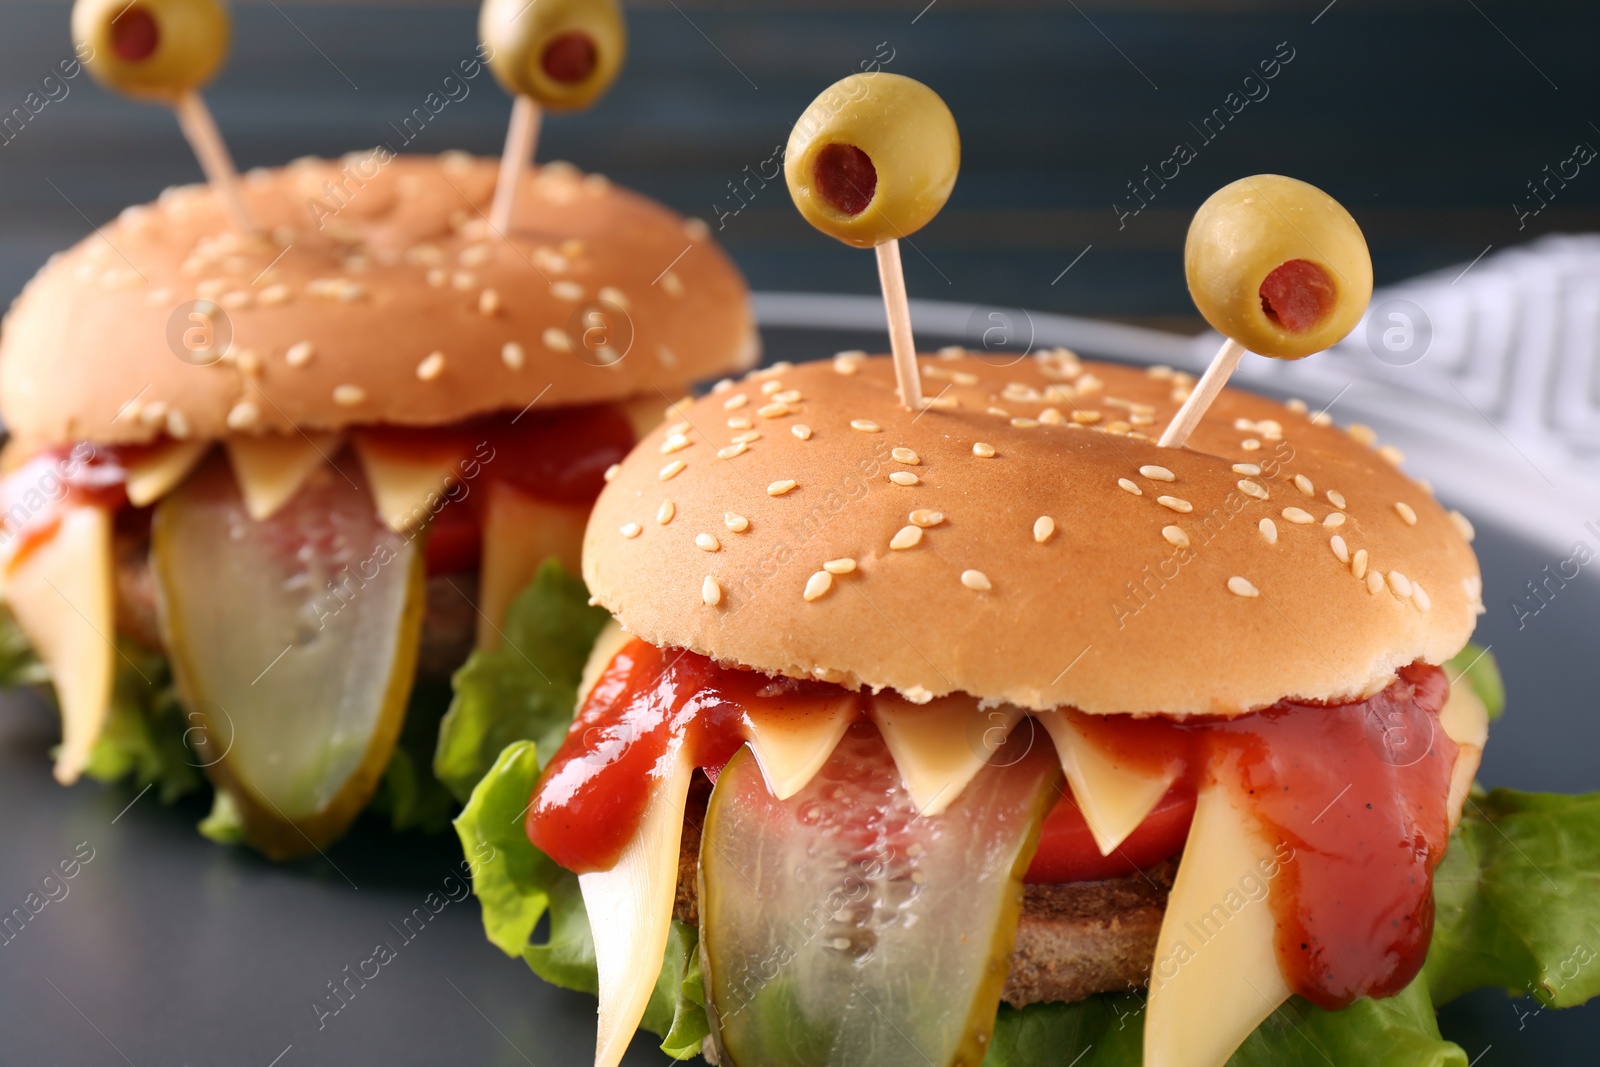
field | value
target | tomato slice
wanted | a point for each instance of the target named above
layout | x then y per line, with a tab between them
455	539
1067	852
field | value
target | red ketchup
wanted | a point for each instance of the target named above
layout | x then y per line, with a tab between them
33	497
1358	791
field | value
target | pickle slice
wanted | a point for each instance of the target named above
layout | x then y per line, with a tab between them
293	641
840	928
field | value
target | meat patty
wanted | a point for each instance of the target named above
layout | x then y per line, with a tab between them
1073	940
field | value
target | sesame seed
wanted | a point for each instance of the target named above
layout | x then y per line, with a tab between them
738	448
1340	550
780	487
848	362
976	580
769	388
612	471
244	415
556	340
1336	498
906	456
1250	444
475	255
1130	486
1302	483
1333	520
513	355
749	437
1249	469
1269	530
488	302
438	278
925	518
665	512
903	478
431	368
274	295
568	291
615	297
672	470
711	592
1024	424
1175	536
1407	515
677	427
153	413
1296	515
817	585
773	411
349	395
1362	433
1297	406
1358	564
1177	504
464	280
1322	418
1400	585
907	537
1240	587
788	396
177	424
672	284
839	566
706	543
1419	597
300	354
1463	526
735	402
1375	581
983	450
1392	455
632	530
1157	474
865	426
801	430
1052	417
1254	489
999	413
1086	418
739	422
736	523
676	443
1043	527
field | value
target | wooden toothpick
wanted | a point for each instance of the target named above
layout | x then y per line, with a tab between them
522	139
1205	392
194	118
892	275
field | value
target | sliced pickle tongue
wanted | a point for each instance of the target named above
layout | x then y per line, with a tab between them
294	641
839	928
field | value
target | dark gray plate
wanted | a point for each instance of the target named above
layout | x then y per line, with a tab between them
169	950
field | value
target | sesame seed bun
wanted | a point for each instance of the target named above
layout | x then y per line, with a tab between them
1070	561
364	270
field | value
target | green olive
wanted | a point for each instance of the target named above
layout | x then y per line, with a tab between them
153	49
1278	265
873	158
562	53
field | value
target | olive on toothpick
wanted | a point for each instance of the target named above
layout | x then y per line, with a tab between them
1279	268
164	51
872	160
558	55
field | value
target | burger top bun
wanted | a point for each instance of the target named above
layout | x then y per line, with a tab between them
1025	540
375	293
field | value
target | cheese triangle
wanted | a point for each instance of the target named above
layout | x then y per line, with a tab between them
792	741
1465	721
939	746
606	646
270	469
61	593
520	532
406	487
632	908
1114	797
1215	977
159	471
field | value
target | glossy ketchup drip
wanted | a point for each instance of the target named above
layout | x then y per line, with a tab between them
646	704
1358	791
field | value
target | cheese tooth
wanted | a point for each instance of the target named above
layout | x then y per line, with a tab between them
1113	796
158	472
407	488
791	741
520	532
939	746
1465	721
271	468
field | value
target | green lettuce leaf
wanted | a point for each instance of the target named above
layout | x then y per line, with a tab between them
1518	899
145	732
524	691
1108	1031
1476	668
520	885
